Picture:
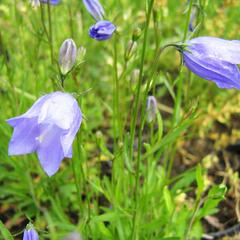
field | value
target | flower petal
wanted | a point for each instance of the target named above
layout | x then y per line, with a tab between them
102	30
221	49
30	234
224	74
49	150
32	112
24	137
67	139
58	110
94	8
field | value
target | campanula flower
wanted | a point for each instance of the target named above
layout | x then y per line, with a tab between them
52	2
30	234
102	30
94	8
67	55
151	108
214	59
47	128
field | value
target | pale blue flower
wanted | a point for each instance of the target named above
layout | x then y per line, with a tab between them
94	8
47	128
214	59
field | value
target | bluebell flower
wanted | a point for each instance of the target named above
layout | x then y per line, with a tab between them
30	234
67	56
52	2
94	8
102	30
214	59
47	128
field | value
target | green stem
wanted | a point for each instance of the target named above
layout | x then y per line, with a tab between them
134	119
77	182
71	23
187	20
140	80
117	118
117	129
198	204
178	102
84	183
48	34
43	21
50	31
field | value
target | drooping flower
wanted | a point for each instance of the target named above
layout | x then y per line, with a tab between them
214	59
30	234
47	128
151	108
67	55
102	30
94	8
52	2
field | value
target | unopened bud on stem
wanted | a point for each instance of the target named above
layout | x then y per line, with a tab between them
67	56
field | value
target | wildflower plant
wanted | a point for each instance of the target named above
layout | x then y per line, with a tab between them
111	139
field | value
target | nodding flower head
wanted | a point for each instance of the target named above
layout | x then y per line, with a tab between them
94	8
47	128
214	59
102	30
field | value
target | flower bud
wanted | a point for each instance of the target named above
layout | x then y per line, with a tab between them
102	30
136	34
30	233
67	56
151	108
94	8
130	50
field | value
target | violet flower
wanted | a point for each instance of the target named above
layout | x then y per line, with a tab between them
30	234
102	30
47	128
52	2
214	59
94	8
